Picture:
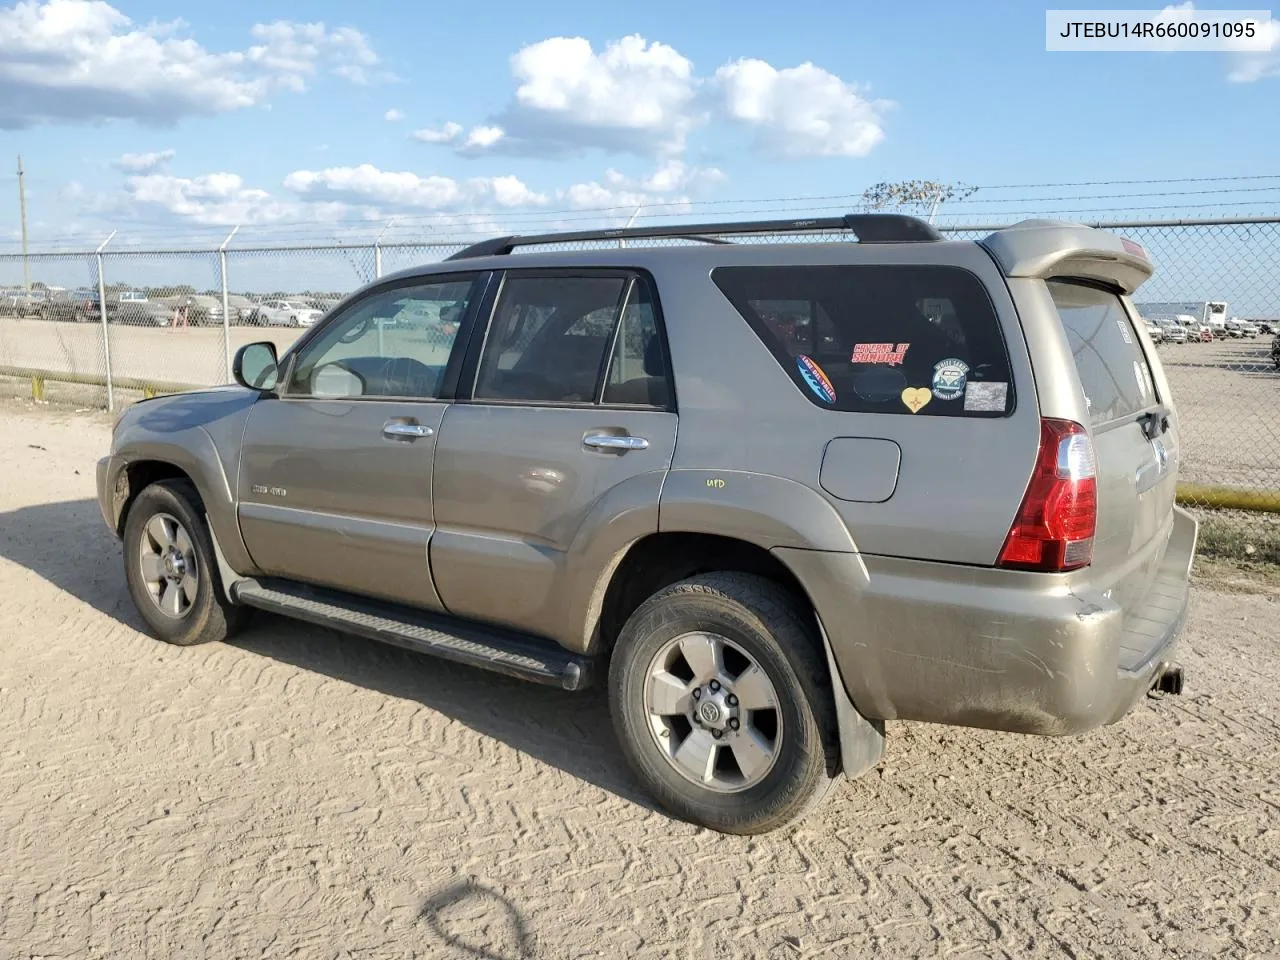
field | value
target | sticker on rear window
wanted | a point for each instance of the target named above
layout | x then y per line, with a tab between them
916	397
1124	329
949	377
816	379
985	397
888	353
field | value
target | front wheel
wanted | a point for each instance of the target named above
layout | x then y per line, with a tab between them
170	568
722	703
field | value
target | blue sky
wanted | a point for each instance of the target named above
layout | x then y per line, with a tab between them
519	116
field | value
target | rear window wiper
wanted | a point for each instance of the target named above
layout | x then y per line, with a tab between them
1155	422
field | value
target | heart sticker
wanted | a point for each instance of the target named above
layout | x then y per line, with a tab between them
916	397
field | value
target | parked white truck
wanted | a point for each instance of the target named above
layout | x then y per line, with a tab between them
1211	312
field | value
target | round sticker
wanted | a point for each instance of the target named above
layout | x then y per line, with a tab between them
816	379
949	378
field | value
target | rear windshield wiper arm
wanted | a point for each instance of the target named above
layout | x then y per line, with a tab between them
1155	422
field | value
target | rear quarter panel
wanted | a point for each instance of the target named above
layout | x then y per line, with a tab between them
961	480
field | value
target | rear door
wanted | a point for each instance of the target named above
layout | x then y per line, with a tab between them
1136	456
551	464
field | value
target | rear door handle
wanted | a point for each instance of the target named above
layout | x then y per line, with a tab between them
399	430
609	441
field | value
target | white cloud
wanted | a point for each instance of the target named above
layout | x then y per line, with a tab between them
633	95
670	184
801	111
393	115
214	198
84	60
1248	67
442	134
293	50
637	96
483	137
366	183
144	162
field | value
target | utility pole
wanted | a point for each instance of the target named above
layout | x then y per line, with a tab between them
22	208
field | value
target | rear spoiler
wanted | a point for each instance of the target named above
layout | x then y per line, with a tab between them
1052	248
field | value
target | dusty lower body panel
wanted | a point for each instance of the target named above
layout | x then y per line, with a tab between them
1004	650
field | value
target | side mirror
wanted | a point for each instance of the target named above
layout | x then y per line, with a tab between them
256	367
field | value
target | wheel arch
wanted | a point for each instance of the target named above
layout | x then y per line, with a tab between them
194	459
661	559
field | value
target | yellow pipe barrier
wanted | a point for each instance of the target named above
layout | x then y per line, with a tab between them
149	388
1229	498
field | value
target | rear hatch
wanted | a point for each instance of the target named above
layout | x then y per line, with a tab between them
1126	407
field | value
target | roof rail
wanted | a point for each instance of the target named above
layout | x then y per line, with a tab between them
867	227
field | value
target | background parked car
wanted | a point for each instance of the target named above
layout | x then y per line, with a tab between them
133	307
1155	331
242	308
1241	328
67	305
287	313
1174	332
205	309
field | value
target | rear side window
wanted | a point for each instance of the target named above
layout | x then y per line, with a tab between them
922	340
1113	369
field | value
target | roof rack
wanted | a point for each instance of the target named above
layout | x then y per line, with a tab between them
867	227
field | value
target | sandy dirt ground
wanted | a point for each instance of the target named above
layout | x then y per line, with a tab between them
298	793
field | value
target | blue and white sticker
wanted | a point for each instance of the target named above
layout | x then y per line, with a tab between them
949	378
816	379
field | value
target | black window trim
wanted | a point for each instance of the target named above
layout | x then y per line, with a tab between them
1132	315
787	362
479	336
481	280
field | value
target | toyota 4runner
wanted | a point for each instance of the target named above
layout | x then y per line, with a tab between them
774	493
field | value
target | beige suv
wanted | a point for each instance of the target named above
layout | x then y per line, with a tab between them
776	493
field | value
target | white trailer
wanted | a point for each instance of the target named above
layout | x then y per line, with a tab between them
1212	312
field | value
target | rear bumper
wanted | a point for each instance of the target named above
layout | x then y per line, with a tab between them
1003	650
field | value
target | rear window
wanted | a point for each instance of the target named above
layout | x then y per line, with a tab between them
921	340
1109	359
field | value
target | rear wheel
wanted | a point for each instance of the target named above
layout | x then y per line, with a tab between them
170	567
722	703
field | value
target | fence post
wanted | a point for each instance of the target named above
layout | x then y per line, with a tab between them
226	305
102	310
377	250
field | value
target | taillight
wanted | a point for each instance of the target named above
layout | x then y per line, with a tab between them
1054	529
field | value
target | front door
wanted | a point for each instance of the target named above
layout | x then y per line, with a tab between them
555	463
335	475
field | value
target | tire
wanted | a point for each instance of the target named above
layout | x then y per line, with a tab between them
208	614
770	627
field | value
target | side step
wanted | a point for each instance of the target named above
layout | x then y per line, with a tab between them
477	645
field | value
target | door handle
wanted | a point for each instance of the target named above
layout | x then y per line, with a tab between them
398	430
609	441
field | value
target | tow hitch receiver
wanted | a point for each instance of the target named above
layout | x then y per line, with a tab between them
1169	682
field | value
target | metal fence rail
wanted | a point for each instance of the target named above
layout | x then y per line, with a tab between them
103	326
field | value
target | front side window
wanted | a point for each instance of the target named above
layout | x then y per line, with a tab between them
549	338
914	340
392	343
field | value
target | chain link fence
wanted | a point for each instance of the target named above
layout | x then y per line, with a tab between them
100	328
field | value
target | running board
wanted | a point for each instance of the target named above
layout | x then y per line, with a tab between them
477	645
